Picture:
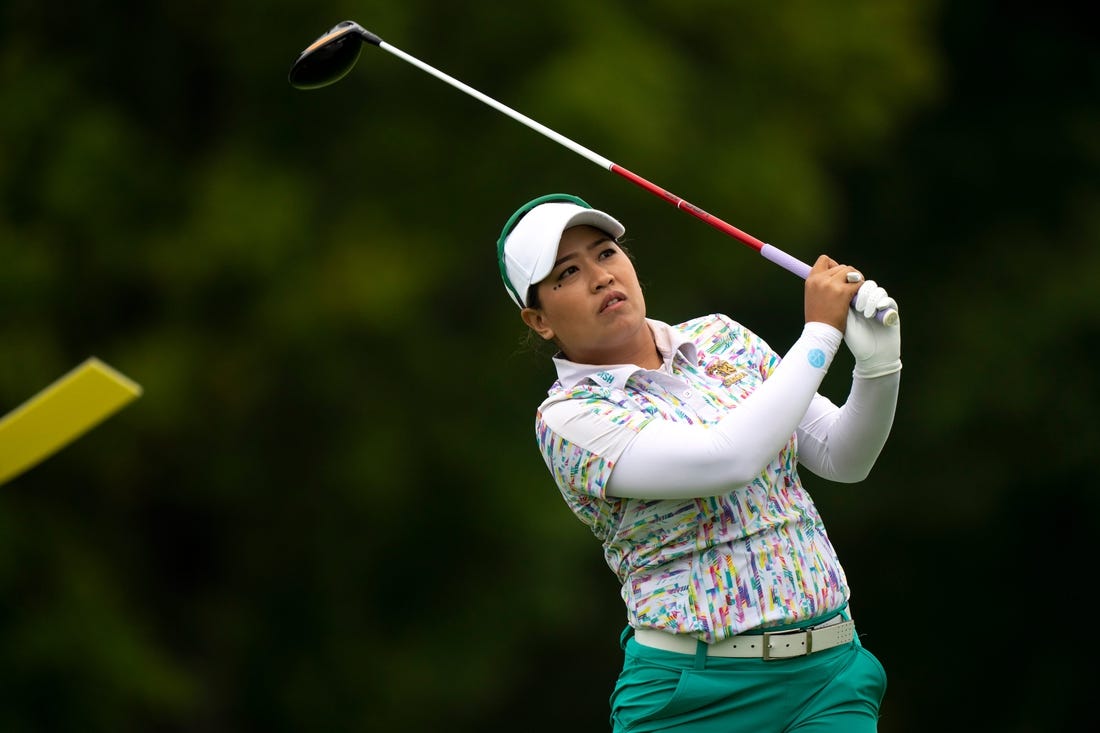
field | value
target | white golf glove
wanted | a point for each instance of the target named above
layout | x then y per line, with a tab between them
876	348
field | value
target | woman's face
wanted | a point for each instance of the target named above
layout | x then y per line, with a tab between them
591	303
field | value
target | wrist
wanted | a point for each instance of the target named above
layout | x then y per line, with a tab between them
874	370
825	330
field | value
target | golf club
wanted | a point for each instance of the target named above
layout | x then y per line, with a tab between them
330	58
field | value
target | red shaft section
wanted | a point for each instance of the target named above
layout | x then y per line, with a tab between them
690	208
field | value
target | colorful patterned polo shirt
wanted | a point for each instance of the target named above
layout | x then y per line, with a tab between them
713	566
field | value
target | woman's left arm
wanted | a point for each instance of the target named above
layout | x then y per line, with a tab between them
842	443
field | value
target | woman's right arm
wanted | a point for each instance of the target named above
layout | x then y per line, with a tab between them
668	460
679	460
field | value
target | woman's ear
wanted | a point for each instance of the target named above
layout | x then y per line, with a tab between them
535	321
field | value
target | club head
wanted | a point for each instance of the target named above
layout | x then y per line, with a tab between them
330	57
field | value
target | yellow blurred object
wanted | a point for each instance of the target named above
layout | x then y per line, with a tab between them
60	414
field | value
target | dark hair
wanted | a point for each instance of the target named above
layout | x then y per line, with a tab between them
533	297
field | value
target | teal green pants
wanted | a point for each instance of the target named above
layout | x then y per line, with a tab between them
837	690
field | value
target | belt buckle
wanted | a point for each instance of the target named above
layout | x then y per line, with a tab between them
768	645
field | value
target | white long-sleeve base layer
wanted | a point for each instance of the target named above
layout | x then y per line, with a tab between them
668	460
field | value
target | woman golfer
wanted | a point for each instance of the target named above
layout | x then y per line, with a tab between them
680	447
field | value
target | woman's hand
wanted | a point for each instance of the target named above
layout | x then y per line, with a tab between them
876	347
829	293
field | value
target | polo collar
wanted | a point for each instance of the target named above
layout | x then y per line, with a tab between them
670	343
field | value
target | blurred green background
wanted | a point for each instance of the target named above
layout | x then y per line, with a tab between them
328	512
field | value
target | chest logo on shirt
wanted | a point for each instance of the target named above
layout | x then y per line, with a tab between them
728	373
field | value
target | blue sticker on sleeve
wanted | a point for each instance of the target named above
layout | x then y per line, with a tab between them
816	358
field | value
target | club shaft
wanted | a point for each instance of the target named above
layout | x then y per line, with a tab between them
574	146
581	150
769	252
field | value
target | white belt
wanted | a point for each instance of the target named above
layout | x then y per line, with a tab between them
766	646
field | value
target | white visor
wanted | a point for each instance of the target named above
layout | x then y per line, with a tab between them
531	248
